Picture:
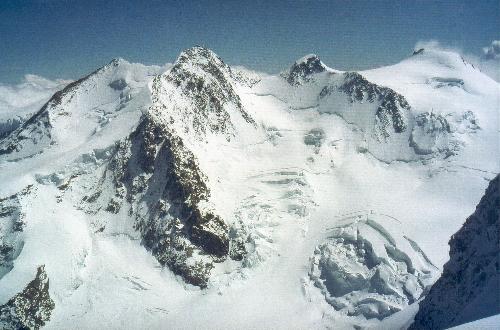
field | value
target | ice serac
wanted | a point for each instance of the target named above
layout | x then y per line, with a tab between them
469	287
31	308
302	70
368	269
155	172
437	134
155	180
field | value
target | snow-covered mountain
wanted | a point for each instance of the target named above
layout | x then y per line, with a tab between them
21	101
198	195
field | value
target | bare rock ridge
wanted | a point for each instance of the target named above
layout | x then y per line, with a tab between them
155	169
393	110
302	69
31	308
471	278
418	51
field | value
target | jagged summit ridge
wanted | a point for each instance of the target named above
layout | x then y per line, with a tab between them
302	70
205	192
203	87
156	176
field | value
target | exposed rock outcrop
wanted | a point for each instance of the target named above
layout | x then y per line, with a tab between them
31	308
392	112
156	176
303	69
11	229
469	287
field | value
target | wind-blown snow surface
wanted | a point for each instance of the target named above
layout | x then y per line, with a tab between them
19	102
275	172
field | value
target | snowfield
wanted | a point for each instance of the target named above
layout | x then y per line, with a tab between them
200	196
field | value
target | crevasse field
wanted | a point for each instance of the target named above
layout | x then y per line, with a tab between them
198	195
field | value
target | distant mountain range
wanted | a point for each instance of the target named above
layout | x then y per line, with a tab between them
199	195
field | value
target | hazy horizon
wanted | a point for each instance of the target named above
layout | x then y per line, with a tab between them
67	39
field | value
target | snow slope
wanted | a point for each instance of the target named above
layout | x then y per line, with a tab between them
203	196
19	102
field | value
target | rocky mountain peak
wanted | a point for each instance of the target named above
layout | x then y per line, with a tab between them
418	51
206	86
200	55
303	68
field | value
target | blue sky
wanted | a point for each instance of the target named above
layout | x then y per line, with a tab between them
68	38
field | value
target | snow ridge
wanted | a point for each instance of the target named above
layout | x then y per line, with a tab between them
228	190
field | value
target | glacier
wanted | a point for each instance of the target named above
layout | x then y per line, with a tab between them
203	195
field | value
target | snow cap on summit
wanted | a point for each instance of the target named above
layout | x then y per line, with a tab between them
199	54
303	68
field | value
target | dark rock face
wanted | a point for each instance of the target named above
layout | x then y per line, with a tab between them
156	178
314	137
118	85
419	51
31	308
10	125
11	230
161	182
432	123
390	114
302	70
470	284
